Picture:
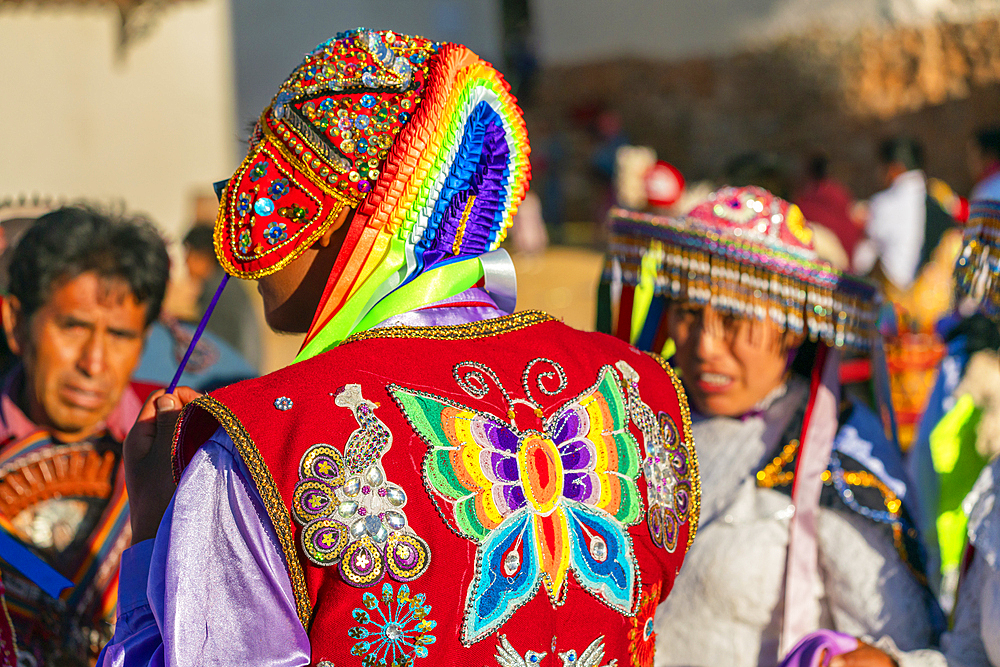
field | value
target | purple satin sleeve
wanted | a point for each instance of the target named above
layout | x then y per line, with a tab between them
137	638
810	650
217	591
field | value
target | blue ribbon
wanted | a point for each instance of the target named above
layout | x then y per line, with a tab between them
27	563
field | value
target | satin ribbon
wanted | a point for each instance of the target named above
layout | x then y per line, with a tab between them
495	268
818	433
817	648
31	566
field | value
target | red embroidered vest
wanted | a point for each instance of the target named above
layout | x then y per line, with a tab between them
505	492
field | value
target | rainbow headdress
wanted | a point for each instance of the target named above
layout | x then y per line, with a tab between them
746	253
421	138
977	271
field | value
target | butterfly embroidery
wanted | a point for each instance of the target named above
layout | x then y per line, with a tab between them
538	503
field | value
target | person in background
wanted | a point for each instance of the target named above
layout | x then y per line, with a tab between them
233	319
974	637
84	289
984	163
825	201
905	224
772	561
408	530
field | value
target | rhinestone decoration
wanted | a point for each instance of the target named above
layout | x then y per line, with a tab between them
392	629
666	466
275	232
352	515
283	403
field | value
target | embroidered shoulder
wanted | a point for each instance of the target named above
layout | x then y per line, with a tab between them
848	484
266	487
669	465
692	453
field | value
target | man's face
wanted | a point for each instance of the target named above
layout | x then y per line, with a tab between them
79	350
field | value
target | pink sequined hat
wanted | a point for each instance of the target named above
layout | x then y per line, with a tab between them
746	253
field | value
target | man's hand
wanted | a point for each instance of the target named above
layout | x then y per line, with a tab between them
863	656
148	475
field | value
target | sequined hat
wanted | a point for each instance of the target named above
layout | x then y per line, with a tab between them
422	138
977	270
746	253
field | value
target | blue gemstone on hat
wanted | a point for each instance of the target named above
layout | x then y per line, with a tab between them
264	207
418	57
362	145
361	122
404	116
368	100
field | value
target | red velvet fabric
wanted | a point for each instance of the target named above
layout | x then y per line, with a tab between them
273	442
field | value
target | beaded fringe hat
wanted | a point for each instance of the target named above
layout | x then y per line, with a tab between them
422	138
746	253
977	271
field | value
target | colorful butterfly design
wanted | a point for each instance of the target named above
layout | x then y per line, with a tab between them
538	503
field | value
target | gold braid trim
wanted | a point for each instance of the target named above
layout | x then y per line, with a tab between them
479	329
268	490
682	401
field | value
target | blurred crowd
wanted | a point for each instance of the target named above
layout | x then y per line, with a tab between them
898	551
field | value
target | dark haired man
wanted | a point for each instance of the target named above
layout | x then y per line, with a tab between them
84	288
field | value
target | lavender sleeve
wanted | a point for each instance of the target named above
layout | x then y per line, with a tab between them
211	588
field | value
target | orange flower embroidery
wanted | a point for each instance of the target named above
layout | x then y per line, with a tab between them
642	639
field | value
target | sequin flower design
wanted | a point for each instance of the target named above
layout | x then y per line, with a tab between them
392	634
352	516
641	638
539	503
243	206
259	170
245	241
275	232
279	188
666	466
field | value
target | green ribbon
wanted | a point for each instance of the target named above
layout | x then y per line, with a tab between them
435	285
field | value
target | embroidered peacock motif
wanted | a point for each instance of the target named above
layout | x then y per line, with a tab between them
352	515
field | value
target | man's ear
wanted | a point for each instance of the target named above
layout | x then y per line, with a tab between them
14	326
346	214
